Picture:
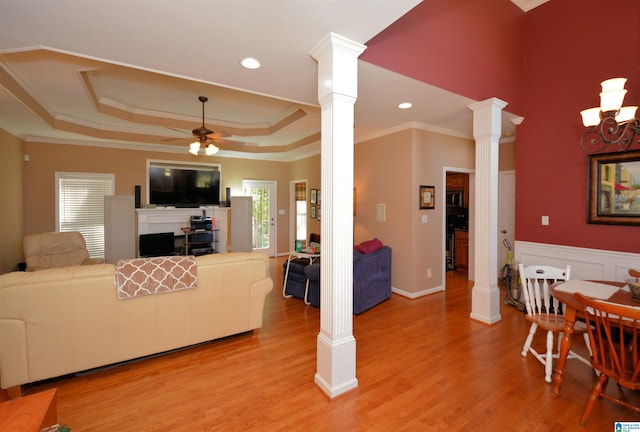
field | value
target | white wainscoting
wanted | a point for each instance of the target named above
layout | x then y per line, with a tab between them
591	264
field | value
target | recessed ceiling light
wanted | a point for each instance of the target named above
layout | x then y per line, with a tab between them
250	63
405	105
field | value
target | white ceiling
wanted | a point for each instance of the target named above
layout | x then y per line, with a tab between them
129	73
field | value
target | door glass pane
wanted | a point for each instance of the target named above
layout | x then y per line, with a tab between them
261	220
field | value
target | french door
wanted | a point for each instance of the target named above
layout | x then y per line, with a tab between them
263	223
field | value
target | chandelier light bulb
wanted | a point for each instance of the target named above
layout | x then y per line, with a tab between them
613	84
626	114
590	117
211	149
194	147
611	100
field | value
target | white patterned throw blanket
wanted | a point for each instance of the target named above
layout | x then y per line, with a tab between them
146	276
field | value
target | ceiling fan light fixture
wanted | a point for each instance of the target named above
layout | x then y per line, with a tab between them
211	149
194	147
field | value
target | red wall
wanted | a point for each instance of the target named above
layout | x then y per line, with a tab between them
548	64
568	52
469	47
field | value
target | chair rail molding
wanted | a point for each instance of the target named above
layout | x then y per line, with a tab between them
589	264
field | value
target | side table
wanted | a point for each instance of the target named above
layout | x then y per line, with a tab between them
29	413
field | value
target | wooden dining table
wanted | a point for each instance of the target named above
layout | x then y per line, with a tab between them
611	291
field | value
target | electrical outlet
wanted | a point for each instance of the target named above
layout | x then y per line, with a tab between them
429	273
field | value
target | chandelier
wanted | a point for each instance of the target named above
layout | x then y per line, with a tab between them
610	124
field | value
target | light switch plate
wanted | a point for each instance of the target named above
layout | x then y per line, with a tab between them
381	212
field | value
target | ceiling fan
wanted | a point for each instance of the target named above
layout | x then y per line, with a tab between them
205	137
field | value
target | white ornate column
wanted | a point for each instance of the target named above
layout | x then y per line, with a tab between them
487	126
337	59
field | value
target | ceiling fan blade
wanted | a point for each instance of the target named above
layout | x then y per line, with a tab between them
221	134
236	144
177	130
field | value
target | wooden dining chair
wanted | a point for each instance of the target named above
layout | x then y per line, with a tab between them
545	313
614	334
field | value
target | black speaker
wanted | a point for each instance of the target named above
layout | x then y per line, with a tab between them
137	196
228	197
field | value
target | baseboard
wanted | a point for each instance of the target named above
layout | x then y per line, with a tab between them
589	264
415	295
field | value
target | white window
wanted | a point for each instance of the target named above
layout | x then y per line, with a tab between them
80	206
301	220
301	210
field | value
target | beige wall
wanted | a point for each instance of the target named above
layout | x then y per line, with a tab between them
432	152
11	224
129	167
383	177
389	171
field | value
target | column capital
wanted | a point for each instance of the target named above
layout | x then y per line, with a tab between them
337	59
487	118
491	103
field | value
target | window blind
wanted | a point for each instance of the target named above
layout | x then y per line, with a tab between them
301	191
81	206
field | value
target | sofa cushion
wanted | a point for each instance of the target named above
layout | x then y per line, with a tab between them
368	246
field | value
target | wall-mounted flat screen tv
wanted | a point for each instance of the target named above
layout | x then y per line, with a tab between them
183	186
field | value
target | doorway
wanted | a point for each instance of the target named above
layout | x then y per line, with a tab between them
506	214
457	198
263	220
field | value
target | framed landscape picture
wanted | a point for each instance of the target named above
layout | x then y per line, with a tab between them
614	188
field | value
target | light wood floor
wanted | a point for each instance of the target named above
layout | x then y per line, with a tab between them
422	365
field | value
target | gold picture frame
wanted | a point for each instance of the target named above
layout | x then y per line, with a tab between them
427	199
614	188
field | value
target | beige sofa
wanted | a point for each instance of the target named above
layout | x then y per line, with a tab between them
63	320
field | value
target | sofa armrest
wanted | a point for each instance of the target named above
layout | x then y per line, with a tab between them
371	278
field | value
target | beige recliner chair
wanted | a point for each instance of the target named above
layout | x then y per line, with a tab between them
56	249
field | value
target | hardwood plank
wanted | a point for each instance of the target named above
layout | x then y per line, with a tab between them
30	413
422	364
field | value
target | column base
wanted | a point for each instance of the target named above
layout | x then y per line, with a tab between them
485	304
336	372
